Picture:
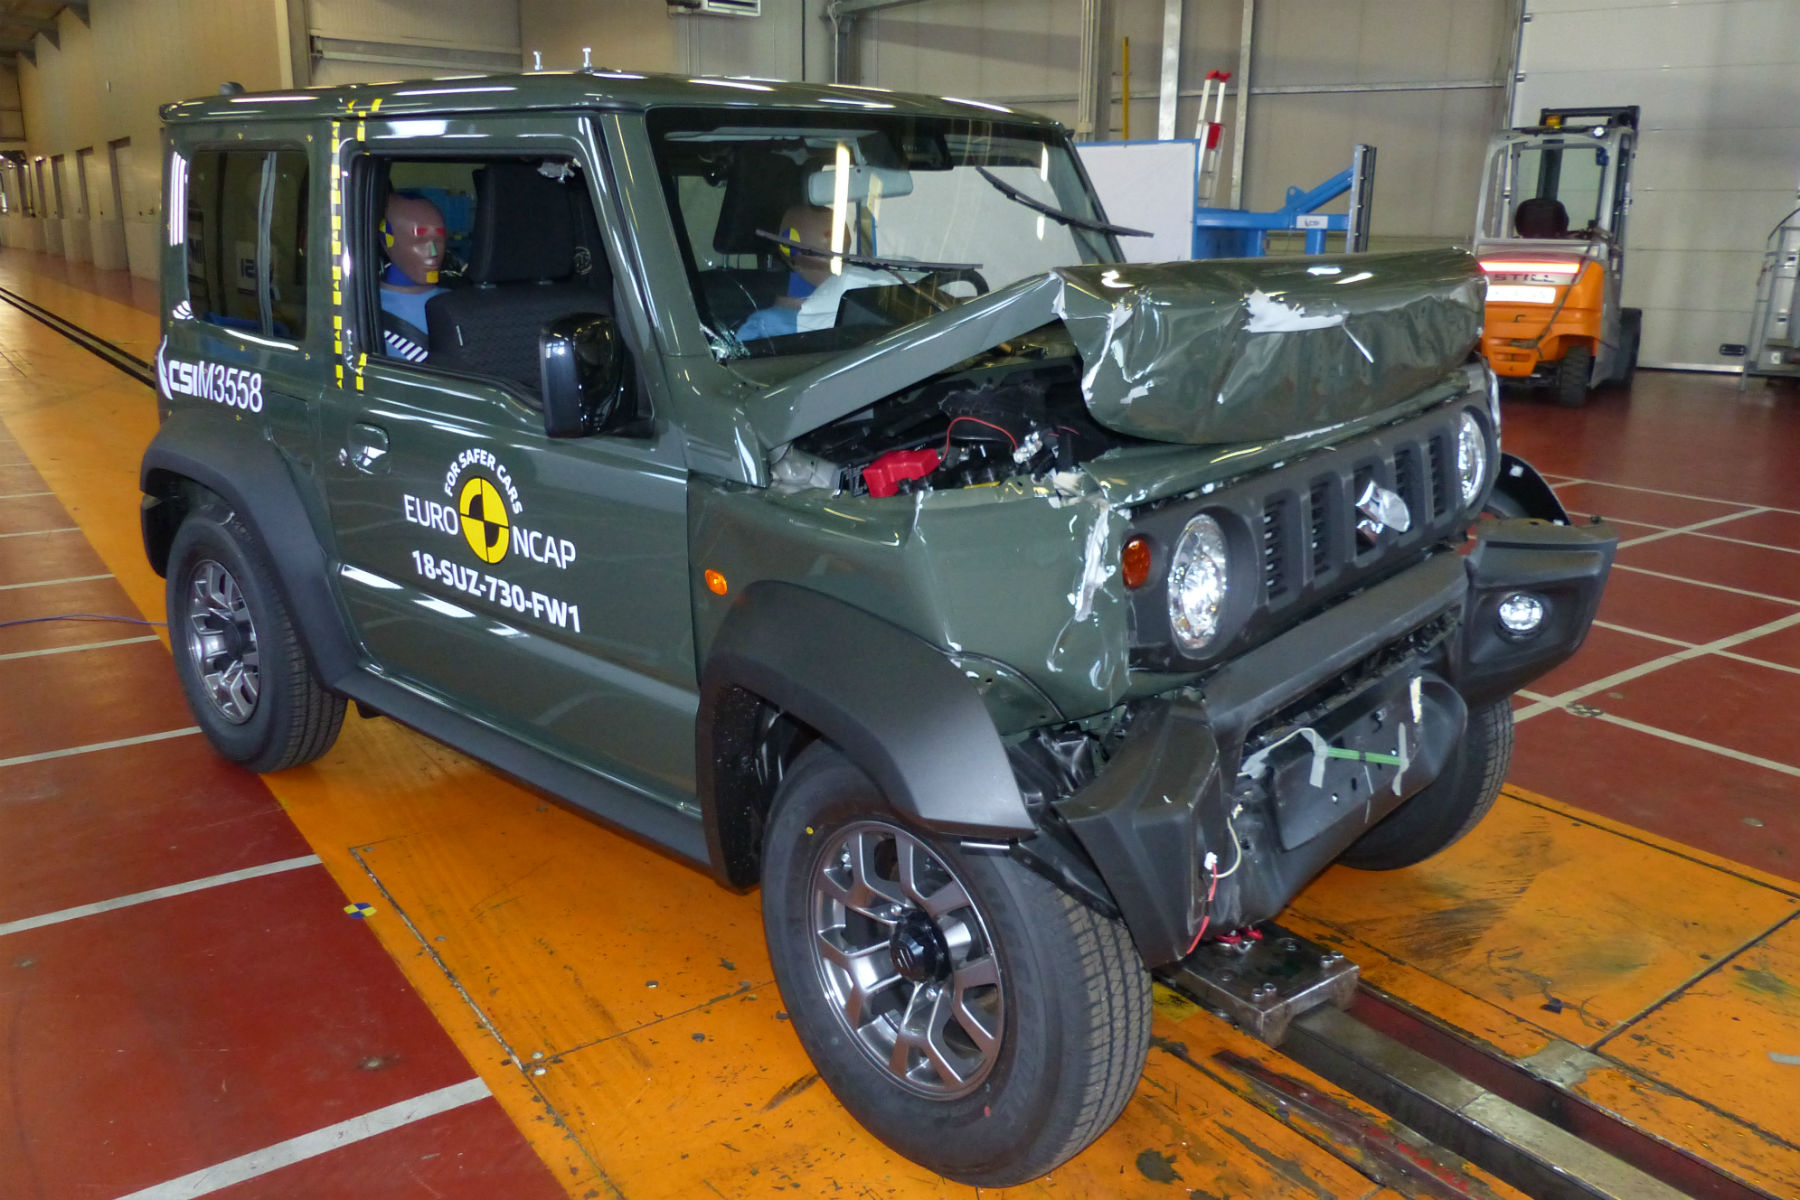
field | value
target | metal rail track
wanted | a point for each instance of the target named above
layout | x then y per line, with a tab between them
1512	1119
98	346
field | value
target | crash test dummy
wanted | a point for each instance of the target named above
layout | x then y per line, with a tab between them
412	237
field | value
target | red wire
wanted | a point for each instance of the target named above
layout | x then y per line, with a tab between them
1211	891
978	421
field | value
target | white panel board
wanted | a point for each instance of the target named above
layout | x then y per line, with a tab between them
1718	86
1148	185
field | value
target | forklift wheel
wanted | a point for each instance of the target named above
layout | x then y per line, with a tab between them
1571	383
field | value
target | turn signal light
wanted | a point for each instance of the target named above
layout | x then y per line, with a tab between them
1134	562
715	582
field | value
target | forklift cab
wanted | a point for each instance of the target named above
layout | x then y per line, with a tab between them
1550	233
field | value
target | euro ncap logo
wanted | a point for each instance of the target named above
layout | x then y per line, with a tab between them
484	520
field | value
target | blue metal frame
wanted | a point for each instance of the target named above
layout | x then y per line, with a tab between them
1234	233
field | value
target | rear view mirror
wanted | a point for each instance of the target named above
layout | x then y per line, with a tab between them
582	364
862	184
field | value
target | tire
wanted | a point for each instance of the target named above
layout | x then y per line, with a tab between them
1571	383
1057	992
239	658
1453	804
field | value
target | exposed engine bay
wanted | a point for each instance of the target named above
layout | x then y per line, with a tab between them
1016	413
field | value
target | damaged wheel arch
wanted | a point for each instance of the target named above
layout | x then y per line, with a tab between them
887	699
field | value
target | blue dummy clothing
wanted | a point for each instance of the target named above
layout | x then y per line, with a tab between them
408	306
776	321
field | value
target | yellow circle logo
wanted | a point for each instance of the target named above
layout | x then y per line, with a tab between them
484	520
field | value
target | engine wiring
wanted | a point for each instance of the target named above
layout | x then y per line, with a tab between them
1212	865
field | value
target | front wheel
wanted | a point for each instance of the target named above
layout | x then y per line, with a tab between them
963	1009
1451	805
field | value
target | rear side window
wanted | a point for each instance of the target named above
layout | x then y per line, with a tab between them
247	240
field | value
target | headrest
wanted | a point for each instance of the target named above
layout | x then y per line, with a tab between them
524	226
759	188
1541	217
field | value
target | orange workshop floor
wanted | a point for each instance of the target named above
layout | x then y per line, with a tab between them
394	974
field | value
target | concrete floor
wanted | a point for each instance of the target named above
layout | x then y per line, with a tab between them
521	1003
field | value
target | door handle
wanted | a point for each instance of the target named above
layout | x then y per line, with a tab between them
367	449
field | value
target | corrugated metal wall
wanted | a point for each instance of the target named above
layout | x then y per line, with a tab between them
1718	82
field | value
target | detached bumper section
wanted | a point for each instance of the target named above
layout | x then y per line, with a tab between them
1221	803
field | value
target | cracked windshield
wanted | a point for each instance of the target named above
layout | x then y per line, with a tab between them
810	231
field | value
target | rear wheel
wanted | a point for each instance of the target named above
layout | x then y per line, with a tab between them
1452	805
1572	374
237	653
971	1015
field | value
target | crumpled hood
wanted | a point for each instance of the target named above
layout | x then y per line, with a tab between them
1242	350
1226	351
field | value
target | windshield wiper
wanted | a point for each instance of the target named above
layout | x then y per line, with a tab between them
867	260
1056	214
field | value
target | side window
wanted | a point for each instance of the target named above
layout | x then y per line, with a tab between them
232	195
475	256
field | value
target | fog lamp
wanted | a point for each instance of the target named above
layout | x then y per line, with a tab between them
1521	613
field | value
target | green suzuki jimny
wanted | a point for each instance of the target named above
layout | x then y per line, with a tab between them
798	477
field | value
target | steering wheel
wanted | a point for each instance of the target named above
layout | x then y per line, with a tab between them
936	280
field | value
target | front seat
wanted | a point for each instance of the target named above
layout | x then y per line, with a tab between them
1541	217
524	254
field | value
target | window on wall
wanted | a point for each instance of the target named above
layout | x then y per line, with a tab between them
236	278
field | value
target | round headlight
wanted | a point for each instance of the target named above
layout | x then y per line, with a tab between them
1198	579
1471	458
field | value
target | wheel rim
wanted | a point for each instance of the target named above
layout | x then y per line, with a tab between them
905	960
221	642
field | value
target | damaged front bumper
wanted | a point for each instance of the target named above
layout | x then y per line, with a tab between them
1250	786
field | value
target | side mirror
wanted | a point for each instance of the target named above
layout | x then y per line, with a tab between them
582	368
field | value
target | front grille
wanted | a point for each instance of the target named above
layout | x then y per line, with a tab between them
1300	523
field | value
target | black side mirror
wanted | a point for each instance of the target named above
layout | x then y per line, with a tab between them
582	363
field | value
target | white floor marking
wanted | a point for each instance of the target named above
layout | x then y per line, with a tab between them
161	893
51	583
23	495
130	641
36	532
13	587
1655	637
22	759
1721	587
1697	744
1660	534
311	1145
1627	487
1573	695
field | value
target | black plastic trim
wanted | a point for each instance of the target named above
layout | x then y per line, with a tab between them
888	699
1520	483
235	462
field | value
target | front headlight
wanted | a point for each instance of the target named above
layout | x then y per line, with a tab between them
1198	580
1471	458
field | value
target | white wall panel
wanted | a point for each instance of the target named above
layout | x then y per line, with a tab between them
1718	83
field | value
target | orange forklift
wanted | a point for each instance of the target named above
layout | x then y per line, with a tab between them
1550	233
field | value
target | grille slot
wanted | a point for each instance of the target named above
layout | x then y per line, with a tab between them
1278	557
1438	452
1410	482
1321	528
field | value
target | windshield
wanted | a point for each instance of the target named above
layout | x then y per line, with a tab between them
1549	189
809	231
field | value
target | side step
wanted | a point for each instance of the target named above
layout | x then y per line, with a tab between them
1263	984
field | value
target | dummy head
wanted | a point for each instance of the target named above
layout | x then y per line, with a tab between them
805	223
413	236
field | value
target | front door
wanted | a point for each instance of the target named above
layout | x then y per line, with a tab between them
537	584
